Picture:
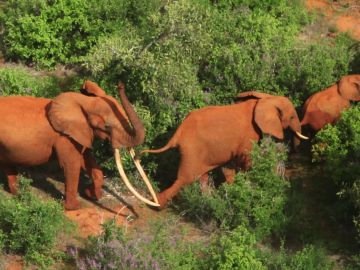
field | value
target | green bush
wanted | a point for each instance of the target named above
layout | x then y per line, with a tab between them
49	32
308	258
21	81
234	250
162	247
338	147
310	67
255	200
31	227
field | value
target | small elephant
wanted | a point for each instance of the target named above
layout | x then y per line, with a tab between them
32	130
325	107
213	136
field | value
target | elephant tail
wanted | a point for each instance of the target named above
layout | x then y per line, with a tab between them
172	143
160	150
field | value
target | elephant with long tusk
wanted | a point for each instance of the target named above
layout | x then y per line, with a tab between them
32	130
217	135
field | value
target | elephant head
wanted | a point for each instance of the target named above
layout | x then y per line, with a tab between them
325	107
83	117
95	114
273	114
349	87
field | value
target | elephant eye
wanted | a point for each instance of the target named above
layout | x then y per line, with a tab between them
107	126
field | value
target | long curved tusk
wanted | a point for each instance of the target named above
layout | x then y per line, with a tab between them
127	182
301	136
143	174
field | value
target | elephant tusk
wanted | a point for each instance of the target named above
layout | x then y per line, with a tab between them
143	174
301	136
127	182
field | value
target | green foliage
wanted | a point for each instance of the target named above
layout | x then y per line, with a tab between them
255	200
338	147
18	81
31	227
309	258
49	32
309	68
163	247
156	64
235	250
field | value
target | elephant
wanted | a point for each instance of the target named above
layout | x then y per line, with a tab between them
216	135
325	107
33	130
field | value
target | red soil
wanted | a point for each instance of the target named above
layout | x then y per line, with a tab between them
344	15
13	263
90	219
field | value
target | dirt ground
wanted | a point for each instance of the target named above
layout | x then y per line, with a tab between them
340	15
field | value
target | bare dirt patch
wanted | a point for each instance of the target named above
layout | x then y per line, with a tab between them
89	220
343	15
13	262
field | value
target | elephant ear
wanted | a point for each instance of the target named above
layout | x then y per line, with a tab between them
267	117
67	117
250	95
349	87
90	88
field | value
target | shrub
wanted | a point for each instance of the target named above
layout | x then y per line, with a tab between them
19	81
29	226
309	257
234	250
161	248
338	147
310	67
255	200
49	32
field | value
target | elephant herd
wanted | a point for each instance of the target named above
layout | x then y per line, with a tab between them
35	130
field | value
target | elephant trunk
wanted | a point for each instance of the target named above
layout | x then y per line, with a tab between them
296	128
137	134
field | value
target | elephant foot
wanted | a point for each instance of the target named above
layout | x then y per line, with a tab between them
93	194
162	200
71	204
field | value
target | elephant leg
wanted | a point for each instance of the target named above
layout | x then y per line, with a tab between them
189	170
94	191
168	194
229	174
71	160
11	175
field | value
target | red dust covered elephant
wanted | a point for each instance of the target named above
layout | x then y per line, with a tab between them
212	136
32	130
325	107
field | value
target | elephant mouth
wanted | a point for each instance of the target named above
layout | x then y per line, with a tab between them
143	176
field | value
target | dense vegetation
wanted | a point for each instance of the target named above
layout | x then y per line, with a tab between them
337	147
31	226
175	56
